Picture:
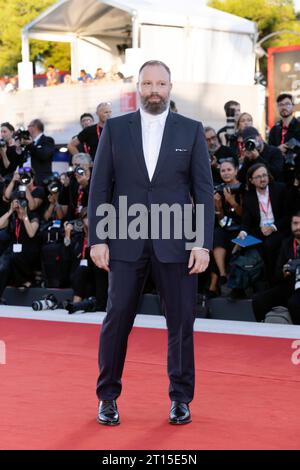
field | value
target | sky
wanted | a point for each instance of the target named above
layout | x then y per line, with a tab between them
297	5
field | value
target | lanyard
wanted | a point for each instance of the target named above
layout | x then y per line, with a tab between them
80	196
98	131
283	134
84	248
263	209
18	229
295	248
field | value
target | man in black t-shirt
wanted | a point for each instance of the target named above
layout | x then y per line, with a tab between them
89	137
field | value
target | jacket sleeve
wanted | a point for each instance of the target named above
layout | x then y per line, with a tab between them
202	187
101	184
44	151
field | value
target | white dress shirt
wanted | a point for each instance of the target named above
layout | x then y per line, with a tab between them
152	133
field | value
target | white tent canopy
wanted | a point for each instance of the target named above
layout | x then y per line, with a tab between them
199	43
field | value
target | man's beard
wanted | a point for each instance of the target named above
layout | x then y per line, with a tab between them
154	107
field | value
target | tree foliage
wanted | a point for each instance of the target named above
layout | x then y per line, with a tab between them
15	14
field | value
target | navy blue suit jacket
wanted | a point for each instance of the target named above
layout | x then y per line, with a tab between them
182	175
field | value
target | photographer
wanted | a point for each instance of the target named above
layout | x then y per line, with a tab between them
264	213
217	153
257	151
20	257
25	180
89	137
293	196
286	292
40	148
53	187
288	127
228	210
86	278
9	157
227	135
74	194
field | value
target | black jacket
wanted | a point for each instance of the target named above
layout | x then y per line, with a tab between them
276	132
270	156
251	212
41	157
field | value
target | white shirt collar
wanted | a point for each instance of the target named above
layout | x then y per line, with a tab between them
37	138
147	117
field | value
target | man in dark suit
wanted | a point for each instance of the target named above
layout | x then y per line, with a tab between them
41	149
152	157
285	292
264	213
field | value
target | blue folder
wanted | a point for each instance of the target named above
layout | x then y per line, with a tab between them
248	241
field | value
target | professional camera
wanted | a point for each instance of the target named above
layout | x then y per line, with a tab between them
79	171
251	144
2	143
22	134
234	188
230	125
293	146
293	267
48	302
25	175
53	184
78	225
87	305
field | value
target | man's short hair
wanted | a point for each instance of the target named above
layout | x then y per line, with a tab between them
209	129
82	159
38	124
9	126
229	105
103	104
296	213
86	115
155	63
284	96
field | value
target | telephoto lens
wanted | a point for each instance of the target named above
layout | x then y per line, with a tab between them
49	302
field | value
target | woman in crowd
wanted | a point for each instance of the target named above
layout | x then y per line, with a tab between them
228	212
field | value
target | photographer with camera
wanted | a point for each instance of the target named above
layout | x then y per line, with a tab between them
293	196
40	148
74	194
257	151
9	157
286	292
90	136
86	279
217	153
227	134
228	210
53	187
20	257
264	213
286	135
24	180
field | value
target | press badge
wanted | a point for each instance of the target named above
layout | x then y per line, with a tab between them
17	248
84	262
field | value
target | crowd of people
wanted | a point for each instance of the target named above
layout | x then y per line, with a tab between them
44	226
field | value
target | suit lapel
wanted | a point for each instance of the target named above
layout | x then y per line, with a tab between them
168	138
136	135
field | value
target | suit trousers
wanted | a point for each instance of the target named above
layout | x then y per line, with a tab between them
178	292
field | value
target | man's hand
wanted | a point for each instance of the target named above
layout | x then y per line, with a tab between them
100	256
283	148
199	260
267	230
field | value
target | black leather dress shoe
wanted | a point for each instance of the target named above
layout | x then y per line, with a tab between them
180	413
108	413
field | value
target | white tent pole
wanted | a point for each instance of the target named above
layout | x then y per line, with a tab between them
25	47
135	31
74	58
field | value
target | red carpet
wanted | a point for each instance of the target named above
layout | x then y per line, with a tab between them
247	392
